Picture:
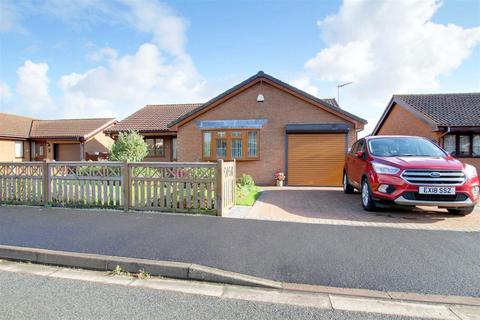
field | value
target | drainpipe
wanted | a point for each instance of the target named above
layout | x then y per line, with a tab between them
82	149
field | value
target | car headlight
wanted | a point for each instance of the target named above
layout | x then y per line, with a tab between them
470	171
384	169
475	191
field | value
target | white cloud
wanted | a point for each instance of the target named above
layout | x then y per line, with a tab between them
304	83
153	17
32	86
349	62
160	71
131	81
168	29
388	47
103	54
5	91
9	17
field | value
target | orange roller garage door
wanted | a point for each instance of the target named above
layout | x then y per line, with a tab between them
316	159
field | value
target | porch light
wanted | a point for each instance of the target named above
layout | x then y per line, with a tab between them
260	98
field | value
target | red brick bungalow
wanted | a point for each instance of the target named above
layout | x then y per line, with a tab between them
263	123
28	139
451	120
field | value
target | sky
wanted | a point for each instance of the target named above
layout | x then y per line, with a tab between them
108	58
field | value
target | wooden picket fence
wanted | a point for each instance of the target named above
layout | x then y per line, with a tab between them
22	183
85	184
228	181
171	186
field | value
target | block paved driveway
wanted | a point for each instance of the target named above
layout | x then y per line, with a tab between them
332	206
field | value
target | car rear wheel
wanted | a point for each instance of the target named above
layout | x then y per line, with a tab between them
347	187
367	202
461	212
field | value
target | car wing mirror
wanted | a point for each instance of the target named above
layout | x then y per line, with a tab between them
359	154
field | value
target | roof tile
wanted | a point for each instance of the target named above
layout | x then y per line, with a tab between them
153	118
14	126
68	128
449	109
332	101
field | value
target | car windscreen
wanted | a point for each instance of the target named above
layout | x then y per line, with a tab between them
404	147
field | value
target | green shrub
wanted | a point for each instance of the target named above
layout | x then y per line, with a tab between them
246	181
129	146
247	191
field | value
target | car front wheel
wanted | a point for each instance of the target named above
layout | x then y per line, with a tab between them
461	212
367	202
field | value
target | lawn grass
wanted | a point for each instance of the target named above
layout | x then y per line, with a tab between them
247	196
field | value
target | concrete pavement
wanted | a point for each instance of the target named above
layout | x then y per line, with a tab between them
80	288
384	259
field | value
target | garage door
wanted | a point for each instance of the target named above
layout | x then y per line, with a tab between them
68	152
316	159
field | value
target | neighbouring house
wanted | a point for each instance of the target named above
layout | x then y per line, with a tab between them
450	120
263	123
152	122
28	139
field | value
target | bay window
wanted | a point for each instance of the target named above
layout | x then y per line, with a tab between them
253	144
237	145
221	144
230	144
462	145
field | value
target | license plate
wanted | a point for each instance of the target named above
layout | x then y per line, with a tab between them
436	190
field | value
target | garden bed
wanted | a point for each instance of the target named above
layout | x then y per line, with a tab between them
247	192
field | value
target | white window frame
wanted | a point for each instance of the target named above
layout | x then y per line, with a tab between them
18	149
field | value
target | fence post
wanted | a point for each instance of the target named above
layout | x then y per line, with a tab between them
220	187
46	182
126	185
234	182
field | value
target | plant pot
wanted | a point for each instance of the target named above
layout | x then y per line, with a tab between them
279	183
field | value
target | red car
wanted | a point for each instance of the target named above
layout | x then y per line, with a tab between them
409	171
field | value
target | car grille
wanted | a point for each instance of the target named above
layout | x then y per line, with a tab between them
435	197
434	177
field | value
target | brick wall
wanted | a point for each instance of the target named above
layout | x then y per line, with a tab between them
98	143
401	122
279	108
7	151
